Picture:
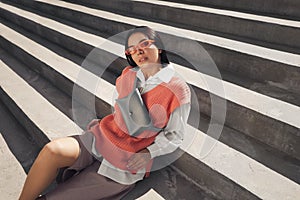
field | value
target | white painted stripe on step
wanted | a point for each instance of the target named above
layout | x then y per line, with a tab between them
254	50
151	195
260	18
263	104
222	158
45	116
10	186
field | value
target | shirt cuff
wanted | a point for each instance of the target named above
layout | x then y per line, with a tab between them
154	150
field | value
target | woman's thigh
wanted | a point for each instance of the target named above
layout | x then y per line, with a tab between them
88	184
84	159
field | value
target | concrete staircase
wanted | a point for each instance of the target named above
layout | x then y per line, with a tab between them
46	47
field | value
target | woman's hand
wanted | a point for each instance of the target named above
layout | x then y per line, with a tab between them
92	123
139	160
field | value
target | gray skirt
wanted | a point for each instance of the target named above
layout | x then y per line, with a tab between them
81	180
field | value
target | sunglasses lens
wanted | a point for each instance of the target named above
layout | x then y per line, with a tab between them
130	51
144	44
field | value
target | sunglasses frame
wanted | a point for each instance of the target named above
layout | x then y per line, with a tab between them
138	46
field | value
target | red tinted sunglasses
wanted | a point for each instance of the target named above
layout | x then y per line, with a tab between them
142	45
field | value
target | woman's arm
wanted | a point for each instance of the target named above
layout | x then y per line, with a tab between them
172	136
166	141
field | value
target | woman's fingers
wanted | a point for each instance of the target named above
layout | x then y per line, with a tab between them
139	160
137	164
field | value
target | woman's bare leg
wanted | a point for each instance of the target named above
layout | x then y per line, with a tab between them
56	154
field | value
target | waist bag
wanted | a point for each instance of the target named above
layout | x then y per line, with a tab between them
135	113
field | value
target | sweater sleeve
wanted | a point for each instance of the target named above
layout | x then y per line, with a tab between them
171	138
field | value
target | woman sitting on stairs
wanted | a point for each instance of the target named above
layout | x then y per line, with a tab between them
149	120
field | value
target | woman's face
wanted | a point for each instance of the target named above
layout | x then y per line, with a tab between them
143	56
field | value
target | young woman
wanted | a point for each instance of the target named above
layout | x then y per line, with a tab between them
149	120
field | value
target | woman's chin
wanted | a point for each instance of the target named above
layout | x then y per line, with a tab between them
146	65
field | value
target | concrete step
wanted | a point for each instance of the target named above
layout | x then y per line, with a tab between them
268	66
56	61
286	9
252	117
269	32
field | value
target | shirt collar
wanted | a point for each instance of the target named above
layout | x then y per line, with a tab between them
165	74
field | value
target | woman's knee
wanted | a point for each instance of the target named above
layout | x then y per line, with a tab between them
65	149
